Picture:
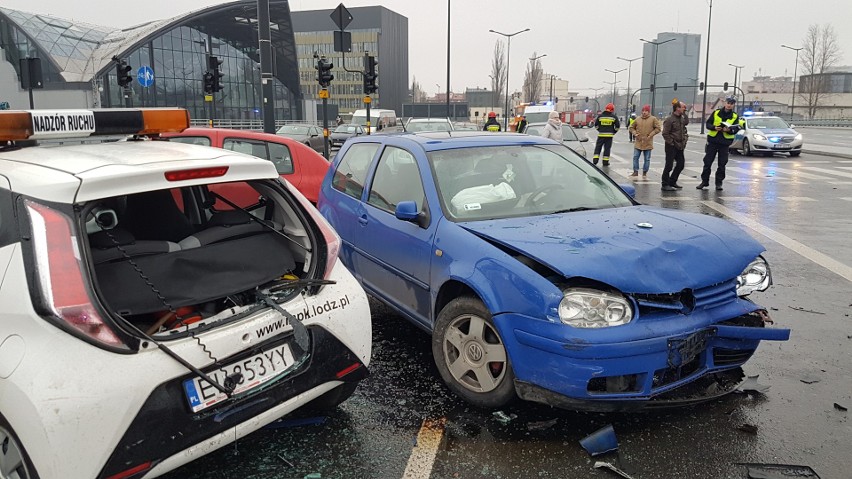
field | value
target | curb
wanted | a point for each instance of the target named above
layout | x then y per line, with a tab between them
825	153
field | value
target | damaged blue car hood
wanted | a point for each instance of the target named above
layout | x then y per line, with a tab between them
636	249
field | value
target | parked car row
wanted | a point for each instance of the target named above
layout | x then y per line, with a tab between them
210	298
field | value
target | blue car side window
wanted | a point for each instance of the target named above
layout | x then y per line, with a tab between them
397	178
351	173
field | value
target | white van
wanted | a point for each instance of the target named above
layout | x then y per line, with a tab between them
380	120
538	113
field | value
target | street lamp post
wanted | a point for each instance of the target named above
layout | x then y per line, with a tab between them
737	69
612	85
795	71
508	51
596	90
629	70
615	80
706	69
654	92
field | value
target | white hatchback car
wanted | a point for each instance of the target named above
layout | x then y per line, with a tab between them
146	319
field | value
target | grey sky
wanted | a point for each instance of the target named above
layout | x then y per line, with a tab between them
744	32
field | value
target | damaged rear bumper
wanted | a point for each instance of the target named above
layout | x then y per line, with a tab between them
625	375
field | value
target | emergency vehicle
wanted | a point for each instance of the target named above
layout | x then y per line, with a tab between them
146	319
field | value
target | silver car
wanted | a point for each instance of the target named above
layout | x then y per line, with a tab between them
307	134
767	135
569	136
428	124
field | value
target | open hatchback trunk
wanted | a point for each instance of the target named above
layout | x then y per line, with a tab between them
194	257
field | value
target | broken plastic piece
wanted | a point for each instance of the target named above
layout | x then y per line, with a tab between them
779	471
314	475
308	421
750	384
503	418
749	428
606	465
541	425
601	441
840	408
809	379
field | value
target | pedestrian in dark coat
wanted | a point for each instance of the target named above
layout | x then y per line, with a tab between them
675	136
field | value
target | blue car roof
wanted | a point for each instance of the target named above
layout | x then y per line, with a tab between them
434	141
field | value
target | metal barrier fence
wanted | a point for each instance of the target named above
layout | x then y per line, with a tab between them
255	125
843	123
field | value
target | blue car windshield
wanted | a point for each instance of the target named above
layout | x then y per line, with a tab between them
510	181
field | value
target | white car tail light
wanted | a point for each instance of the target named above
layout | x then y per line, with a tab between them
59	275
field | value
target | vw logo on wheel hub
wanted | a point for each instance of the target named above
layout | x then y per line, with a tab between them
475	352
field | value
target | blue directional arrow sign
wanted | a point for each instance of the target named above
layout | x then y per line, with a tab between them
145	76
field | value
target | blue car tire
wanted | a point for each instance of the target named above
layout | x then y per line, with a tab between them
471	356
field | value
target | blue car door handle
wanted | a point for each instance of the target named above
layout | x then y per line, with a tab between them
362	219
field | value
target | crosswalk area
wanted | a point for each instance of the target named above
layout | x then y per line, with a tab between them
821	177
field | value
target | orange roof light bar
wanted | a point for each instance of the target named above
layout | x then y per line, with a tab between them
15	125
44	124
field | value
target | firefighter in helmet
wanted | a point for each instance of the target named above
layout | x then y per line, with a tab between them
607	125
491	124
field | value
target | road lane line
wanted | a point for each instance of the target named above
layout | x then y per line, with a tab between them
821	259
827	171
422	457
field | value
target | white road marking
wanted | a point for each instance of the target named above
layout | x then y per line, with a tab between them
739	198
821	259
846	198
845	167
828	172
422	457
795	198
840	182
678	198
759	171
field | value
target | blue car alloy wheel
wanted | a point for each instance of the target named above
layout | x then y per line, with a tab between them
470	354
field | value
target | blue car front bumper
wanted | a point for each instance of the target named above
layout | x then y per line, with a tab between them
624	367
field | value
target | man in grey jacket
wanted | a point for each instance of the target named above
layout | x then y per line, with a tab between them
675	136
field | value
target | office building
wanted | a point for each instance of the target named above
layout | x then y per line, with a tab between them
375	30
676	61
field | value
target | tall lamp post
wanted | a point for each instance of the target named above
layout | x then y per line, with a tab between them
615	80
532	59
654	92
795	71
706	69
629	70
612	85
448	59
596	90
508	51
737	69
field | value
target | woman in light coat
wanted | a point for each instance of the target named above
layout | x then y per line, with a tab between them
553	127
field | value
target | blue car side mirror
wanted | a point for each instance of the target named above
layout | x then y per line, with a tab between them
407	211
629	189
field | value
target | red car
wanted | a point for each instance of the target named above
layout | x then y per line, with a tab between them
303	167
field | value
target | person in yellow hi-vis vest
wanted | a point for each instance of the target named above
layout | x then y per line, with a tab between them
492	124
722	127
607	125
629	124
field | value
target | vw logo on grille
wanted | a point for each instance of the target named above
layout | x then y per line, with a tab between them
475	352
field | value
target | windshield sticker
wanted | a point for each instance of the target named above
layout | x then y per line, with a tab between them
472	207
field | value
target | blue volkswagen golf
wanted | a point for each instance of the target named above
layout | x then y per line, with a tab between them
538	277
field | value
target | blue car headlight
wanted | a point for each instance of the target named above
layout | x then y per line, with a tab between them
756	277
591	308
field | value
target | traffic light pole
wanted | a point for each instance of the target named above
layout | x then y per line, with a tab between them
325	124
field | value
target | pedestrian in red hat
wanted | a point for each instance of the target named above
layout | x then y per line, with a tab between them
644	129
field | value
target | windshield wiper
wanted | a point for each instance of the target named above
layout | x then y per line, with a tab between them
571	210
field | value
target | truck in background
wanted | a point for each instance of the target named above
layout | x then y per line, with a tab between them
580	118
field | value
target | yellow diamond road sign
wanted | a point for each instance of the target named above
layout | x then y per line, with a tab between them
323	93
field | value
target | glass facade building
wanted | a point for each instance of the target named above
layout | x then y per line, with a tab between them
677	62
77	56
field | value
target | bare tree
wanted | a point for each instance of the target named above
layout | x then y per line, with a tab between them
532	79
417	94
820	52
498	72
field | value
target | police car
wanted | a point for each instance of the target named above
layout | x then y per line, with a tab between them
147	319
767	135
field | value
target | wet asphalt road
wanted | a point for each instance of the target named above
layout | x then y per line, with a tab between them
798	208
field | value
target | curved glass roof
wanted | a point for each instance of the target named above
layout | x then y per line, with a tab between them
81	51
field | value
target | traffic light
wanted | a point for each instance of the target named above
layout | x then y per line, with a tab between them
208	83
587	99
701	86
675	86
324	76
725	86
370	76
652	87
122	72
215	73
571	99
